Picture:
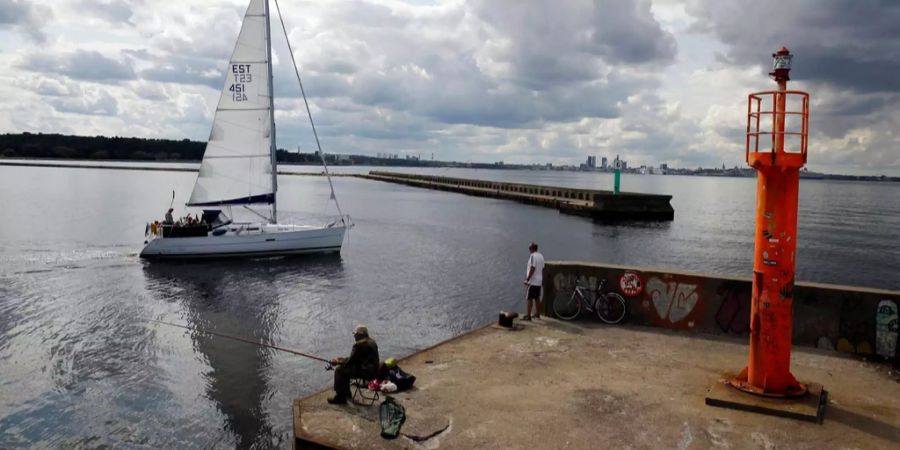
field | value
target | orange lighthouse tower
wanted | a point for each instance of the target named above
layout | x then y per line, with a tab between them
777	128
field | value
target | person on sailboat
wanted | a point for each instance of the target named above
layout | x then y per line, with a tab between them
169	220
362	363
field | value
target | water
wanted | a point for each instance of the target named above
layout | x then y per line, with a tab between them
81	364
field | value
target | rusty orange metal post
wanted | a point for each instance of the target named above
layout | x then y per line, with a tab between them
768	370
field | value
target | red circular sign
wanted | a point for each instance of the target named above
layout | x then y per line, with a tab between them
631	284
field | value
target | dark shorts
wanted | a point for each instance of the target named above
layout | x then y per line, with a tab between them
534	292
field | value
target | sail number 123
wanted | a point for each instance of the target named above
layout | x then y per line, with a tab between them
242	75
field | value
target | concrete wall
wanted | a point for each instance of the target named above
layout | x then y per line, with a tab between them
601	205
501	186
825	316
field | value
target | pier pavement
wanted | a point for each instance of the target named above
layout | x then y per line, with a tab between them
583	385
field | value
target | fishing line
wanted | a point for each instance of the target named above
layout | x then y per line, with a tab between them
245	340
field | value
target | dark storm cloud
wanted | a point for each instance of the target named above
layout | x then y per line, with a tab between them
495	64
14	12
845	43
567	42
847	54
624	31
24	16
87	65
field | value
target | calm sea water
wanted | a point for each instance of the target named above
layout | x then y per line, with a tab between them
82	364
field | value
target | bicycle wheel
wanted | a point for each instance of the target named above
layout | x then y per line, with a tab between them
610	308
566	307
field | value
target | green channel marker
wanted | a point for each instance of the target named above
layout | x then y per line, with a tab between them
617	181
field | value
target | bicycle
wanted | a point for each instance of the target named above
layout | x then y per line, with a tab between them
608	306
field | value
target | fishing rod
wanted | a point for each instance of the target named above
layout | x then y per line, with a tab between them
245	340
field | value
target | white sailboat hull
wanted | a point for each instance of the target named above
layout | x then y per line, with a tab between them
277	240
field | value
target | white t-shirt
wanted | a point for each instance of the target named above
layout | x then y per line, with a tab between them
537	261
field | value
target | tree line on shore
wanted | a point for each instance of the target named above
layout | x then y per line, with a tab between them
59	146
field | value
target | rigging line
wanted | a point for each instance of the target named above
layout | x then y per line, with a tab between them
243	339
255	212
308	112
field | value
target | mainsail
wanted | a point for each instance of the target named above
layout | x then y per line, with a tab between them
239	161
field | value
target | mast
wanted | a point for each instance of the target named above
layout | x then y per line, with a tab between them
308	111
273	147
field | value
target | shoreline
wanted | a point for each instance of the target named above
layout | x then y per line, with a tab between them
97	164
28	163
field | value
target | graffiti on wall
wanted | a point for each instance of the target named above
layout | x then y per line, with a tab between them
675	302
564	284
733	315
630	284
855	328
886	329
847	320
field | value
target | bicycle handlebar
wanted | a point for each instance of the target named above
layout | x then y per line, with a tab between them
600	285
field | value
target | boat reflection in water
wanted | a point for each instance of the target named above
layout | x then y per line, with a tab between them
239	298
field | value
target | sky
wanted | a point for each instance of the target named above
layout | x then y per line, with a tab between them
654	81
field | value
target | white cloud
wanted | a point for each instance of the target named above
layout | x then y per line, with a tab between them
25	16
480	80
92	102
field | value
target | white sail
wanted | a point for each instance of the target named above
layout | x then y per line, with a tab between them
238	164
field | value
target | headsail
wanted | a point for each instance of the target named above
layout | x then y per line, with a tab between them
238	163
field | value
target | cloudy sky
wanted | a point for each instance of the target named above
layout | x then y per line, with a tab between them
483	80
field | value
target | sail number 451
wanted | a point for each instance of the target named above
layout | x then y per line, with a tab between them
241	75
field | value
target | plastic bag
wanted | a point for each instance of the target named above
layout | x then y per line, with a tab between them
387	386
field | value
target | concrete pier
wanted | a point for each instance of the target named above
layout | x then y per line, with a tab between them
597	204
584	385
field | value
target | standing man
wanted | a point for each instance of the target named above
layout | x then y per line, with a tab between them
534	279
362	363
169	220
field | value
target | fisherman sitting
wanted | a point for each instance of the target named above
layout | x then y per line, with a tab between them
362	363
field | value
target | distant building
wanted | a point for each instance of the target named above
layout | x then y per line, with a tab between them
592	162
603	163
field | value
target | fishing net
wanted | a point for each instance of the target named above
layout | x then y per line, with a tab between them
392	416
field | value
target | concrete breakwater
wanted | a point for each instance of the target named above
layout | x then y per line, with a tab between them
844	318
601	205
548	384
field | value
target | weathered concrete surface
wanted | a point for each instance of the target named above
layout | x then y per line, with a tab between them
601	205
559	385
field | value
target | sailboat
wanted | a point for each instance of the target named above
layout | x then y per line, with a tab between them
239	168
